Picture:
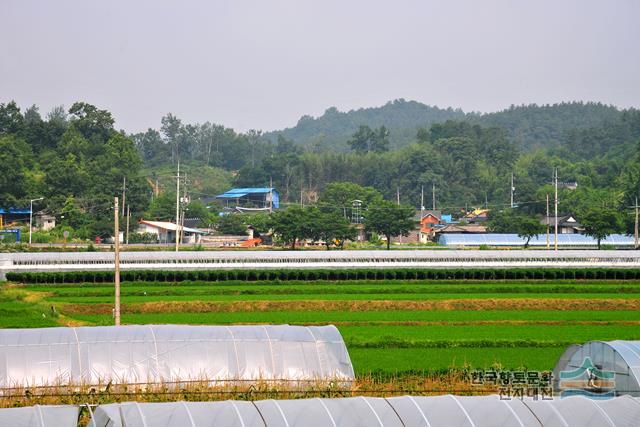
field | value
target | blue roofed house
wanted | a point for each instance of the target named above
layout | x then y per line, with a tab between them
250	199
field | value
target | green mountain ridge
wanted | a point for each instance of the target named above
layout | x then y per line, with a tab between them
531	126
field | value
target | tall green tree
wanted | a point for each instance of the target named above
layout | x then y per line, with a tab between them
339	197
510	221
601	222
232	224
390	220
292	224
15	160
330	227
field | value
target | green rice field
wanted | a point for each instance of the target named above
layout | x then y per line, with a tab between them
390	327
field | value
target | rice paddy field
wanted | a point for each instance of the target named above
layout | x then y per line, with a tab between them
392	328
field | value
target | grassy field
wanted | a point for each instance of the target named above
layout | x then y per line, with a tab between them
390	327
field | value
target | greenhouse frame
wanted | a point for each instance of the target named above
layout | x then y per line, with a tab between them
404	411
172	353
203	260
619	358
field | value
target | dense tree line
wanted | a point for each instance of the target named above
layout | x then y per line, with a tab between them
75	159
78	161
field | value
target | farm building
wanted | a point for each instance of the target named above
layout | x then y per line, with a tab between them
617	361
565	241
166	231
403	411
250	199
168	353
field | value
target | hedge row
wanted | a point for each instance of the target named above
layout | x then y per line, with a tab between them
311	275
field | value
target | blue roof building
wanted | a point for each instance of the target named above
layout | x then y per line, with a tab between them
251	198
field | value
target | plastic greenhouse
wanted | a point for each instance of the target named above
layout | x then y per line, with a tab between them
171	353
622	358
40	416
407	411
565	241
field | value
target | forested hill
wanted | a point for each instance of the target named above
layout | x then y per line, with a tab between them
332	129
530	126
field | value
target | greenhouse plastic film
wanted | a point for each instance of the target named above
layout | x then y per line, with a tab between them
407	411
168	353
40	416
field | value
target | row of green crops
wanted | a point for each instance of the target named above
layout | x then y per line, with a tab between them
313	275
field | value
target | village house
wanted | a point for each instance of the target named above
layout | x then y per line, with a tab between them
166	231
567	223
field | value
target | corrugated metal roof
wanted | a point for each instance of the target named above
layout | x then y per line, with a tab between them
235	193
14	210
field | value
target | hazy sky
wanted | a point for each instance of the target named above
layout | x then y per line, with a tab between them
264	63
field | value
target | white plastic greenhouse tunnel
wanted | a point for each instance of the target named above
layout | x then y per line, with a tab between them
171	353
40	416
620	358
405	411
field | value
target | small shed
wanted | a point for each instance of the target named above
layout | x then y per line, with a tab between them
44	221
600	367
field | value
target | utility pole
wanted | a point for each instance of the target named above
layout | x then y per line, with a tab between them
398	194
301	195
128	220
513	189
635	226
177	206
40	198
183	207
547	221
124	193
270	195
555	244
421	212
433	193
116	277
